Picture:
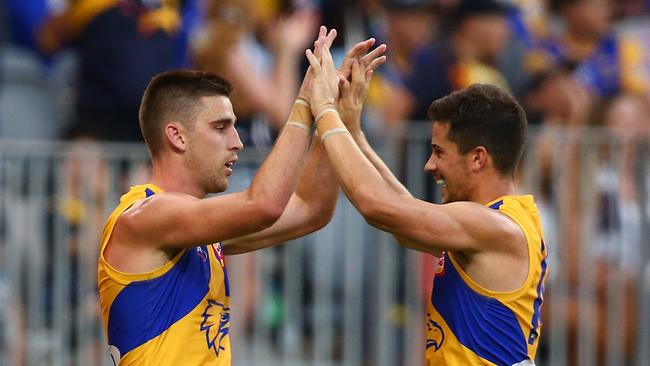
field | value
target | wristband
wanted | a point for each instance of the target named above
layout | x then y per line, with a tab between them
324	111
301	101
301	113
299	125
330	122
334	131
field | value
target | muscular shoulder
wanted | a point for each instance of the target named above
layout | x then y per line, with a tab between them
492	229
126	248
157	201
150	213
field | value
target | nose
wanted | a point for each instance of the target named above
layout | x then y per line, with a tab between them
431	166
235	142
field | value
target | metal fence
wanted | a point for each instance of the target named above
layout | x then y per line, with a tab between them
346	295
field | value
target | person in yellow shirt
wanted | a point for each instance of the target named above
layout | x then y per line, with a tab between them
162	278
485	305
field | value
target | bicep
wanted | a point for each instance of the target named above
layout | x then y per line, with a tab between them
177	220
460	226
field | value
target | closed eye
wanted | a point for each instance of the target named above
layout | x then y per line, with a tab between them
436	150
222	124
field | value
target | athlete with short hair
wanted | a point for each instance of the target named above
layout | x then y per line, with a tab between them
162	276
485	305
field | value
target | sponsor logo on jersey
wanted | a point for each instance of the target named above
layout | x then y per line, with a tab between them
218	252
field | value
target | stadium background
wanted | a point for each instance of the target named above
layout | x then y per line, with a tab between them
71	75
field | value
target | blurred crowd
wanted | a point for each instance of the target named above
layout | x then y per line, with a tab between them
76	69
79	66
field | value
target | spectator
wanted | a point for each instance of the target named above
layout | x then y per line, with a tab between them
260	51
121	45
605	62
467	56
410	28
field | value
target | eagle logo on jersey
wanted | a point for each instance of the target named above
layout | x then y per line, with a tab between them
216	325
435	334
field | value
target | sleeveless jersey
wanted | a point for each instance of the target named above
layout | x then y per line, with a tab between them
470	325
178	314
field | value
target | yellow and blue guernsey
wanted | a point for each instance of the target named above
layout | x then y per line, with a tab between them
470	325
178	314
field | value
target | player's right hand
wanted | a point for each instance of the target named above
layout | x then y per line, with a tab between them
353	92
352	95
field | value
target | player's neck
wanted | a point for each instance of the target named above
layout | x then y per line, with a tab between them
490	189
172	177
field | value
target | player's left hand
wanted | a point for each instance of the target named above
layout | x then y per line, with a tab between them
324	90
324	39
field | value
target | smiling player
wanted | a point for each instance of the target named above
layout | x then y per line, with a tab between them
485	306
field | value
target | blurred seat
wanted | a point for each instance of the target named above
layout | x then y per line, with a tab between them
27	100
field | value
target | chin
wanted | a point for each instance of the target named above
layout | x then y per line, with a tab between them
221	187
218	187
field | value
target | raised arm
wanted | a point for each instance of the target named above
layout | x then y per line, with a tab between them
179	220
353	94
422	226
312	206
359	70
309	209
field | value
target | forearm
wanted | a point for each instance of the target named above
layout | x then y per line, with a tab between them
360	180
379	184
390	179
308	210
278	176
379	164
318	187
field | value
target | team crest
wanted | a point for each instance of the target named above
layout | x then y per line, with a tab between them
203	255
435	334
216	325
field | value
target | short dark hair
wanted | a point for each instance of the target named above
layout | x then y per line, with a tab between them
484	115
469	8
174	95
557	5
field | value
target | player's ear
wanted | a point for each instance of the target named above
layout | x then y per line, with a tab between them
174	134
479	159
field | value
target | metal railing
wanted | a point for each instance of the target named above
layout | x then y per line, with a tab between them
346	295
